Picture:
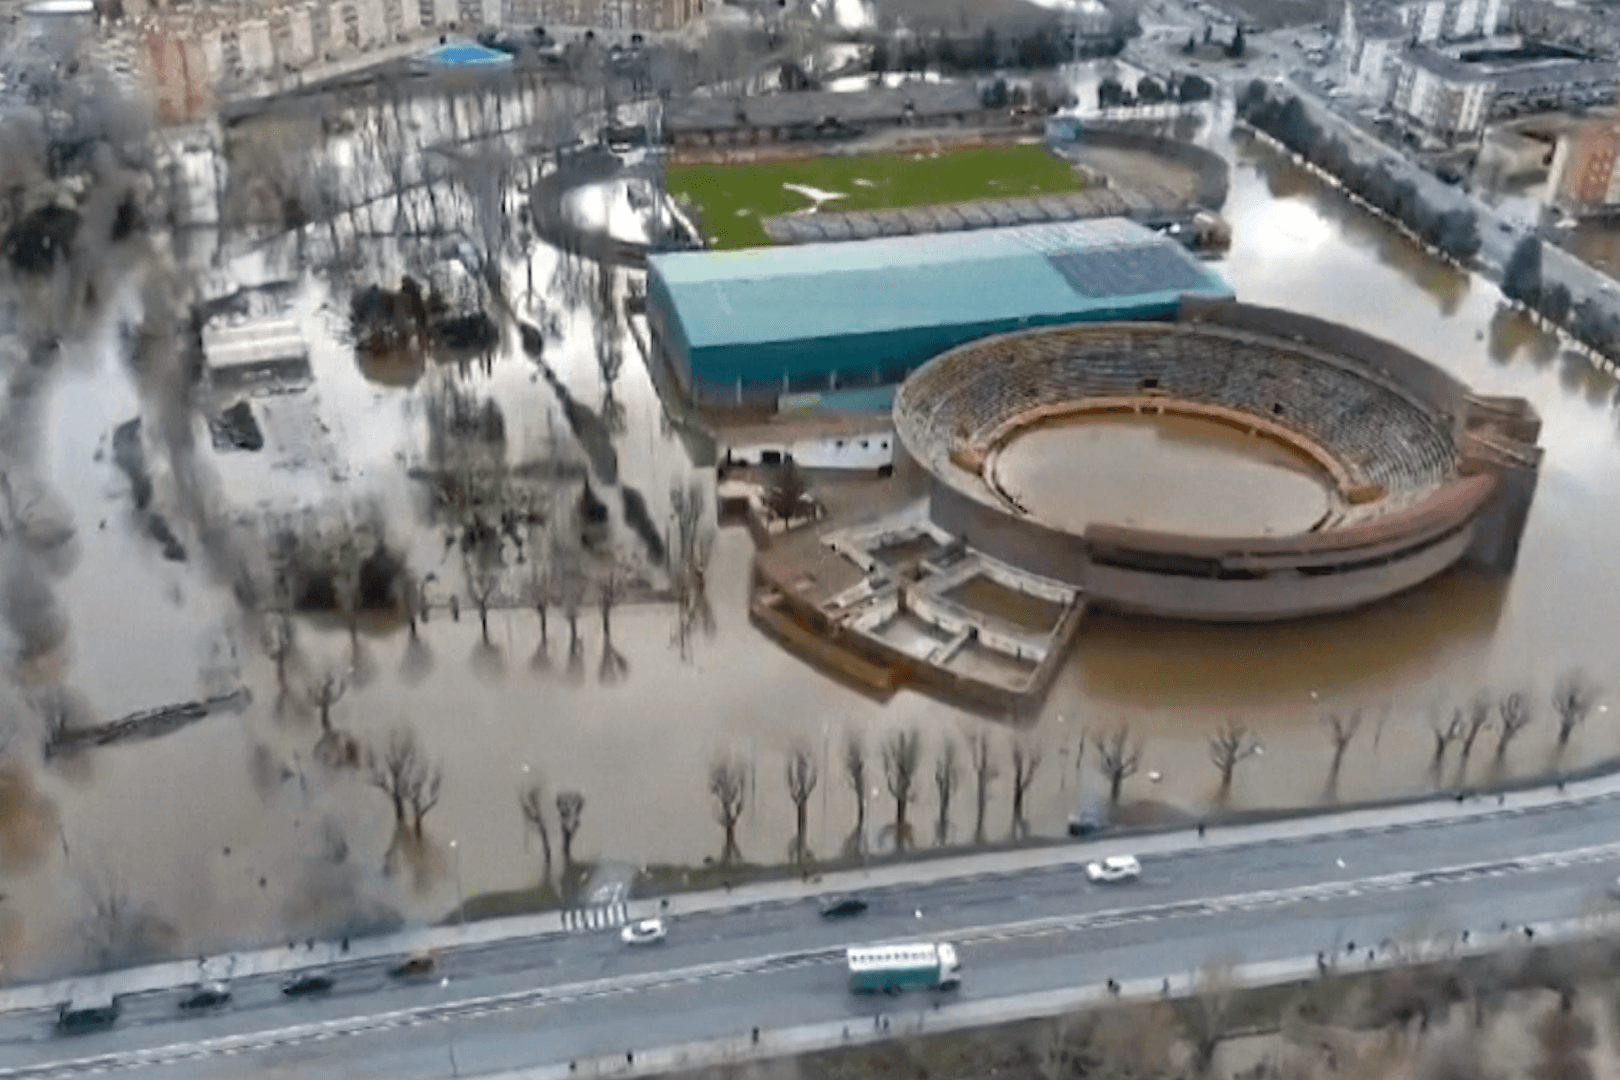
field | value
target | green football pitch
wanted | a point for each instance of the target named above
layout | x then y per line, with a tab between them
733	200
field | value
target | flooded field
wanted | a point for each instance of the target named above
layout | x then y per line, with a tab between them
233	829
1166	473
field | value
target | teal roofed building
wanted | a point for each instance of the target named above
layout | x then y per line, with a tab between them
754	325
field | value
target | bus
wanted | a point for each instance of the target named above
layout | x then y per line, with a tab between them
892	968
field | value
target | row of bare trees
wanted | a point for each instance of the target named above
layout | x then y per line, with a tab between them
1117	758
899	770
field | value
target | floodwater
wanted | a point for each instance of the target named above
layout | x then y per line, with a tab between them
1168	473
231	832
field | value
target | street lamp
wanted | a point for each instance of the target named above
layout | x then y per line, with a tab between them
449	1028
461	903
826	779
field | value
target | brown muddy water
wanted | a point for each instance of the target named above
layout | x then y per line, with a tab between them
1169	473
231	832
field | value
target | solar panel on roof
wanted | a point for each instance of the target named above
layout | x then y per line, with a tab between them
1125	271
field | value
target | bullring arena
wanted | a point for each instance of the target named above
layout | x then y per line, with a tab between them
1406	472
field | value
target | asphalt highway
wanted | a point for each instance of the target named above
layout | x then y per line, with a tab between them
561	998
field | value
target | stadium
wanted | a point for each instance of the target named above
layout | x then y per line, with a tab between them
1407	473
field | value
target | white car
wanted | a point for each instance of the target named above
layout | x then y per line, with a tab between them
645	932
1113	869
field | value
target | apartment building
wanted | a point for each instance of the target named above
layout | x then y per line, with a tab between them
1584	179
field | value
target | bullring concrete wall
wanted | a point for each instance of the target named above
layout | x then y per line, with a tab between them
1471	504
1284	594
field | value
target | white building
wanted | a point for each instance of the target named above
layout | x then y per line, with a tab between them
1445	97
1373	32
1429	92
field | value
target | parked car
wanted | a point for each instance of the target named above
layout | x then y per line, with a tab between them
207	995
1114	869
842	907
645	932
306	983
415	966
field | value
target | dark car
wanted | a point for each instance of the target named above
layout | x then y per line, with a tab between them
417	966
208	995
82	1016
842	907
307	983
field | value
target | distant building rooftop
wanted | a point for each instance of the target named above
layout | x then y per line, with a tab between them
812	107
467	54
1512	75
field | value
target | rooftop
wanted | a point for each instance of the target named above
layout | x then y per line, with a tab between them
811	107
1510	75
825	290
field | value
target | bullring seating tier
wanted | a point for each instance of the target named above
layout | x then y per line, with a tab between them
959	406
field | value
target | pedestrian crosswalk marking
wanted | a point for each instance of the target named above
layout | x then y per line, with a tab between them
596	917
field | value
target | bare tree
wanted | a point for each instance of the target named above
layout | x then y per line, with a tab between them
1479	719
802	776
609	591
1341	732
1026	758
483	578
1445	733
324	692
902	753
689	559
1227	747
1206	1017
984	775
786	494
540	590
114	927
1572	699
425	798
532	805
281	645
728	783
402	773
855	773
570	806
1513	714
109	913
1118	758
945	776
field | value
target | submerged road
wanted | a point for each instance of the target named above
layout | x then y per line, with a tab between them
561	998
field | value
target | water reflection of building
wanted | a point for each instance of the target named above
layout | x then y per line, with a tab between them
1584	179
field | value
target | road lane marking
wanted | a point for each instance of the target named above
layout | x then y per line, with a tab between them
473	1008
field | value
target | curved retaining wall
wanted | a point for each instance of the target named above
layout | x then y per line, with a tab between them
1457	507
